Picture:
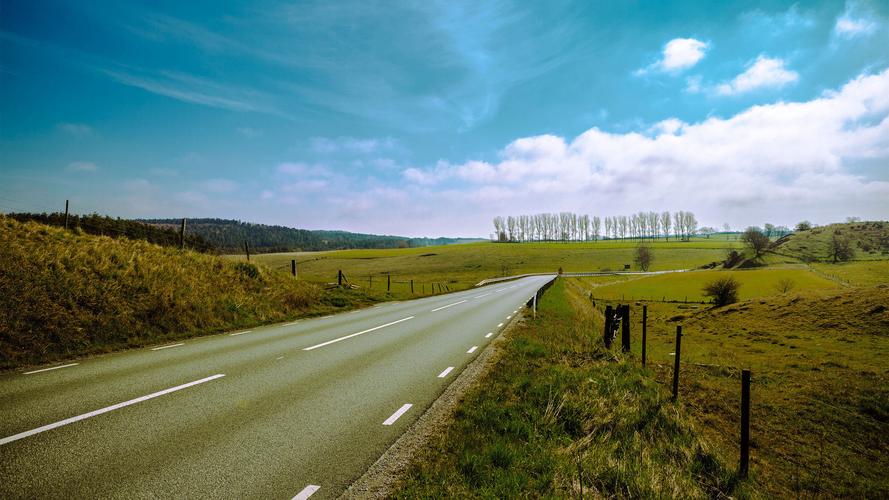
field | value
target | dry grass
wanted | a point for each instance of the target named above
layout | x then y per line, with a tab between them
64	294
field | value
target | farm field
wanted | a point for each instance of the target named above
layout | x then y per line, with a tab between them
462	266
857	273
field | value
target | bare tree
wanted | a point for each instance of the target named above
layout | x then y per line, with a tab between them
754	238
665	224
840	247
597	225
643	256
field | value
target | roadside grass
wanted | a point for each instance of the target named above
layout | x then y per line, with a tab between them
65	294
820	392
556	416
462	266
689	286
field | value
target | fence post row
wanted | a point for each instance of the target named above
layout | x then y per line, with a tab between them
676	363
745	424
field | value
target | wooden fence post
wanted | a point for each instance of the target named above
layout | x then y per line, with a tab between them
625	328
247	251
745	424
66	215
388	282
676	363
293	267
412	287
535	304
182	235
370	281
644	331
339	277
607	335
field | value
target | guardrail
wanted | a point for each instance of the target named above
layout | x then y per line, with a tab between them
581	274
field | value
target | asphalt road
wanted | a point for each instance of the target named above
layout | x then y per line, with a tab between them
281	411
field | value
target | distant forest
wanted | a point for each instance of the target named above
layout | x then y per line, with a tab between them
229	236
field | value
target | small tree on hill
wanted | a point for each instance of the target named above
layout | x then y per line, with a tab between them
643	257
803	226
841	247
724	291
754	238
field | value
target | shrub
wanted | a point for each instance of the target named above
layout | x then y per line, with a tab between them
724	291
643	257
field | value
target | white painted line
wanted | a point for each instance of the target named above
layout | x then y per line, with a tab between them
395	416
447	306
499	325
482	295
489	335
495	291
279	357
472	349
516	311
239	333
51	368
166	346
509	317
118	406
328	316
355	311
356	334
445	372
307	492
291	324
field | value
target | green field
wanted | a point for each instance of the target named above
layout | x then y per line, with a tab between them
689	286
858	273
462	266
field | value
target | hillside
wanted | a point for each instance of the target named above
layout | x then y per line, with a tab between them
230	236
66	293
870	241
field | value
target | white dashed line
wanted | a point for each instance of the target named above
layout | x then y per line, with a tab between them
516	311
356	334
307	492
279	357
291	324
472	349
85	416
482	295
445	372
239	333
447	306
48	369
489	335
499	325
509	317
166	346
395	416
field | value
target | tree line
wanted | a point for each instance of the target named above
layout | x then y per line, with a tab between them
569	226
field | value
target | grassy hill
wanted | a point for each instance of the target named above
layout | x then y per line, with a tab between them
869	239
67	293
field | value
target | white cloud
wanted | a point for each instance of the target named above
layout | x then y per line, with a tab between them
785	161
249	132
854	23
327	145
76	129
678	54
765	72
82	166
219	185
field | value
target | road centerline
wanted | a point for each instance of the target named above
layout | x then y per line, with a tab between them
447	306
117	406
445	372
398	413
355	334
472	349
307	492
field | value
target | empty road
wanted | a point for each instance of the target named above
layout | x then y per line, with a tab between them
284	411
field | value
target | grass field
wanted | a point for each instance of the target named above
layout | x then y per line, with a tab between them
870	241
557	417
462	266
689	286
858	273
820	415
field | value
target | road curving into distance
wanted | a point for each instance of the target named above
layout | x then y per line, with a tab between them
284	411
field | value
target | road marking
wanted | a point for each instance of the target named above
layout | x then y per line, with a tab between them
239	333
516	311
445	372
118	406
307	492
482	295
356	334
472	349
395	416
166	346
499	325
447	306
495	291
291	324
279	357
509	317
51	368
328	316
489	335
355	311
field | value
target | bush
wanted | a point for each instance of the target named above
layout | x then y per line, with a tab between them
724	291
643	257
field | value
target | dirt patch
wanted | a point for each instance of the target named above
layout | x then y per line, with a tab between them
379	479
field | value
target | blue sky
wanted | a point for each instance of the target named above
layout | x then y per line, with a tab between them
427	118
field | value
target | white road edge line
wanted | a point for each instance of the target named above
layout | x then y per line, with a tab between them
395	416
239	333
516	311
509	317
482	295
118	406
291	324
447	306
445	372
356	334
489	335
499	325
50	368
472	349
307	492
166	346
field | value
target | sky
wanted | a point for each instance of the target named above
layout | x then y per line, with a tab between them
430	118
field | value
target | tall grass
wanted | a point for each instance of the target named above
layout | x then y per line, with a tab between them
65	293
558	417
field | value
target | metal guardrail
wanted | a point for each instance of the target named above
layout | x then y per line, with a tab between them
581	274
